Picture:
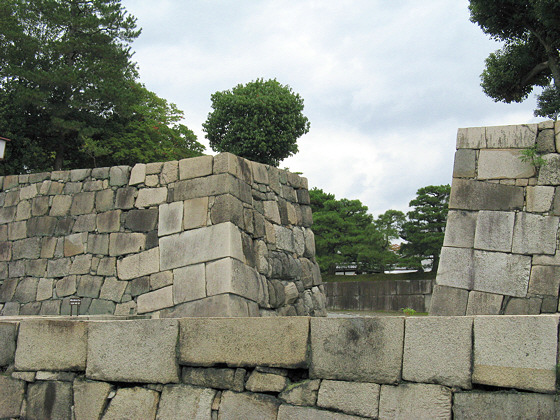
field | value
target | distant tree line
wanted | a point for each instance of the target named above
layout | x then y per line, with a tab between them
346	234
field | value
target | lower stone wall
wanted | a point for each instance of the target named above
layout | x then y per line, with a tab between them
280	368
383	295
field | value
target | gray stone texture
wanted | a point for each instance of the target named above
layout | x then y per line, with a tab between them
506	406
511	136
204	342
11	397
545	280
456	268
358	349
549	174
516	352
218	378
141	220
195	167
49	400
229	275
438	350
124	351
302	393
497	272
523	306
189	283
481	303
288	412
170	218
494	231
138	265
90	398
471	138
156	300
361	399
535	234
479	195
449	301
148	197
195	213
503	164
460	229
465	164
225	305
133	403
539	199
8	333
234	406
418	401
185	402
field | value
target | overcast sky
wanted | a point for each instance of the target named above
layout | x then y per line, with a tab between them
385	84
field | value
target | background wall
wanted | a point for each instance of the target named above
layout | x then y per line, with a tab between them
207	236
500	253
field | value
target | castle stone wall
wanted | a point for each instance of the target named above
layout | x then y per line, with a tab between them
207	236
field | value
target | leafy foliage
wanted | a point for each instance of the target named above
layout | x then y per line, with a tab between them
425	228
261	121
530	57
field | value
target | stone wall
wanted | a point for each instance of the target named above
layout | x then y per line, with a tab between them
207	236
281	368
379	295
500	253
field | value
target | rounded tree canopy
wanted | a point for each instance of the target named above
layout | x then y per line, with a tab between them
260	121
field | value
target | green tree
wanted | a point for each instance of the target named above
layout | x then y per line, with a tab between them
389	225
530	57
344	232
425	226
261	121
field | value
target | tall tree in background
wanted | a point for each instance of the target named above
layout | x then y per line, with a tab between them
68	88
261	121
389	225
425	228
530	57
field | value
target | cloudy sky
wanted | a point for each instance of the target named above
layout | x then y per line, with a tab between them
385	84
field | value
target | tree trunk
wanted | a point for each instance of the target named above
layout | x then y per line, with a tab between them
59	158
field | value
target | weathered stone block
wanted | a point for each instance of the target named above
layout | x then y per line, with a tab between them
539	199
151	197
503	164
49	400
549	174
40	206
247	406
51	345
494	231
523	306
90	398
225	305
481	303
101	307
11	397
478	195
438	350
41	226
471	138
511	136
229	275
141	220
356	398
506	274
29	248
89	286
185	402
200	245
82	203
514	405
227	208
109	221
112	289
195	213
218	378
288	412
195	167
302	393
516	352
276	342
535	234
460	229
124	351
138	265
27	193
26	290
74	244
170	218
545	280
45	289
266	382
61	205
189	283
456	267
367	349
8	333
125	197
156	300
7	214
85	223
126	243
449	301
137	174
133	403
5	251
118	175
238	167
419	401
66	286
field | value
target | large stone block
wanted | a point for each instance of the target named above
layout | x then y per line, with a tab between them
138	265
276	342
170	218
438	350
133	403
109	221
503	164
497	272
201	245
516	352
266	382
51	345
8	333
185	402
539	198
49	400
151	197
478	195
449	301
494	231
195	213
195	167
126	243
29	248
415	401
535	234
144	220
225	305
189	283
507	406
212	186
156	300
481	303
545	280
357	349
11	397
90	399
137	174
289	412
238	167
361	399
229	275
471	138
124	351
511	136
460	229
235	406
456	267
82	203
549	174
218	378
465	163
301	393
227	208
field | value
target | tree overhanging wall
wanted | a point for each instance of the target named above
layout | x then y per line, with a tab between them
207	236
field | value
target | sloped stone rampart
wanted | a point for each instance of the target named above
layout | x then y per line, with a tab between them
207	236
274	368
500	253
